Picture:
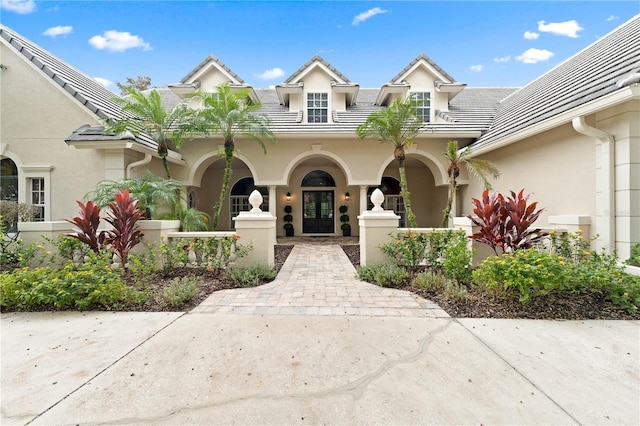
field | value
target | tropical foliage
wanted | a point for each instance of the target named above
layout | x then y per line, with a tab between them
398	124
231	113
505	221
477	167
147	115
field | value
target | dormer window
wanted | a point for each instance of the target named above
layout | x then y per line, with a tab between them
317	108
422	102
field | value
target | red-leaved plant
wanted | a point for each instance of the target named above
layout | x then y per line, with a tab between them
123	215
504	221
87	226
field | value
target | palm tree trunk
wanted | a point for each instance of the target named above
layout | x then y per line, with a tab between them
404	192
452	193
165	164
228	154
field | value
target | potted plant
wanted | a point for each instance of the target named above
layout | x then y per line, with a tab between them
344	218
288	226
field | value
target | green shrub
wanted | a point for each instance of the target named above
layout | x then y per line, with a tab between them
385	275
406	250
453	290
91	284
456	259
180	290
527	273
430	281
634	259
251	276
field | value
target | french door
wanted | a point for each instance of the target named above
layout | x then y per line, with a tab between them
318	209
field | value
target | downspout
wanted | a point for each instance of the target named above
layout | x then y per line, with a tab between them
146	160
605	179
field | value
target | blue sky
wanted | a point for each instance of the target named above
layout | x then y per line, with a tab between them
481	43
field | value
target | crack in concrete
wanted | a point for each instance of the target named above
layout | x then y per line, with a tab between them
355	388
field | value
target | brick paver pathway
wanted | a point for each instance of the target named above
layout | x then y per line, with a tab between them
319	280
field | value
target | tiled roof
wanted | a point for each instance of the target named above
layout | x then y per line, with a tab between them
417	59
92	95
590	74
323	62
207	60
479	105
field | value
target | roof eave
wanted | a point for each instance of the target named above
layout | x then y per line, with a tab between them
391	88
284	91
620	96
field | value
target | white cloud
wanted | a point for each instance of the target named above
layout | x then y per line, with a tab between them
368	14
503	59
118	41
271	74
476	68
58	30
568	28
530	35
612	18
533	56
22	7
106	83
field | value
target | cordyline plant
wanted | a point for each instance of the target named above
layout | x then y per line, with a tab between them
123	215
504	221
87	226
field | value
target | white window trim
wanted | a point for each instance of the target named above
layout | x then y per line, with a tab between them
307	108
24	188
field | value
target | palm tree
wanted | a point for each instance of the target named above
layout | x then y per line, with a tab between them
152	192
147	114
231	113
398	124
477	167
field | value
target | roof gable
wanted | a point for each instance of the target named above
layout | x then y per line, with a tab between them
585	77
423	60
317	62
91	95
212	64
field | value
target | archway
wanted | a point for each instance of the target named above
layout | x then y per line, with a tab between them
239	198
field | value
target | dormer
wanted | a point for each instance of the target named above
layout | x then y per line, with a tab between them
317	90
431	86
206	76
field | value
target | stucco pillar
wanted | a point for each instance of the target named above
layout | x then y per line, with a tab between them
256	228
363	199
375	227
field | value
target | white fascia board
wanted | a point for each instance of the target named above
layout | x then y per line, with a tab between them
422	63
320	65
607	101
172	157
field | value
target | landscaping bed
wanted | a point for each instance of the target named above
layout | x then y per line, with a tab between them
484	304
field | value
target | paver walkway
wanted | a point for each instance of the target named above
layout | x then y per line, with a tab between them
319	280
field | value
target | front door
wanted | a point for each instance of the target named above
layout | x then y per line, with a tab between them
318	212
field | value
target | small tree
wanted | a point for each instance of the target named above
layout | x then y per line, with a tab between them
398	124
141	83
477	167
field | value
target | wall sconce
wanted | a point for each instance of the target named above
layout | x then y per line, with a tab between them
347	196
288	196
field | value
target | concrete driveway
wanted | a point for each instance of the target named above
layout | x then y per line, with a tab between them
213	368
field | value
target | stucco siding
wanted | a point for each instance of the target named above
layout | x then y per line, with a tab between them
556	167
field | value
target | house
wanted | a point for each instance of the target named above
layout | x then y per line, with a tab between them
570	137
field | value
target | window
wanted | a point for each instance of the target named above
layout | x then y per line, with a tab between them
422	102
317	107
390	187
8	180
37	198
318	178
